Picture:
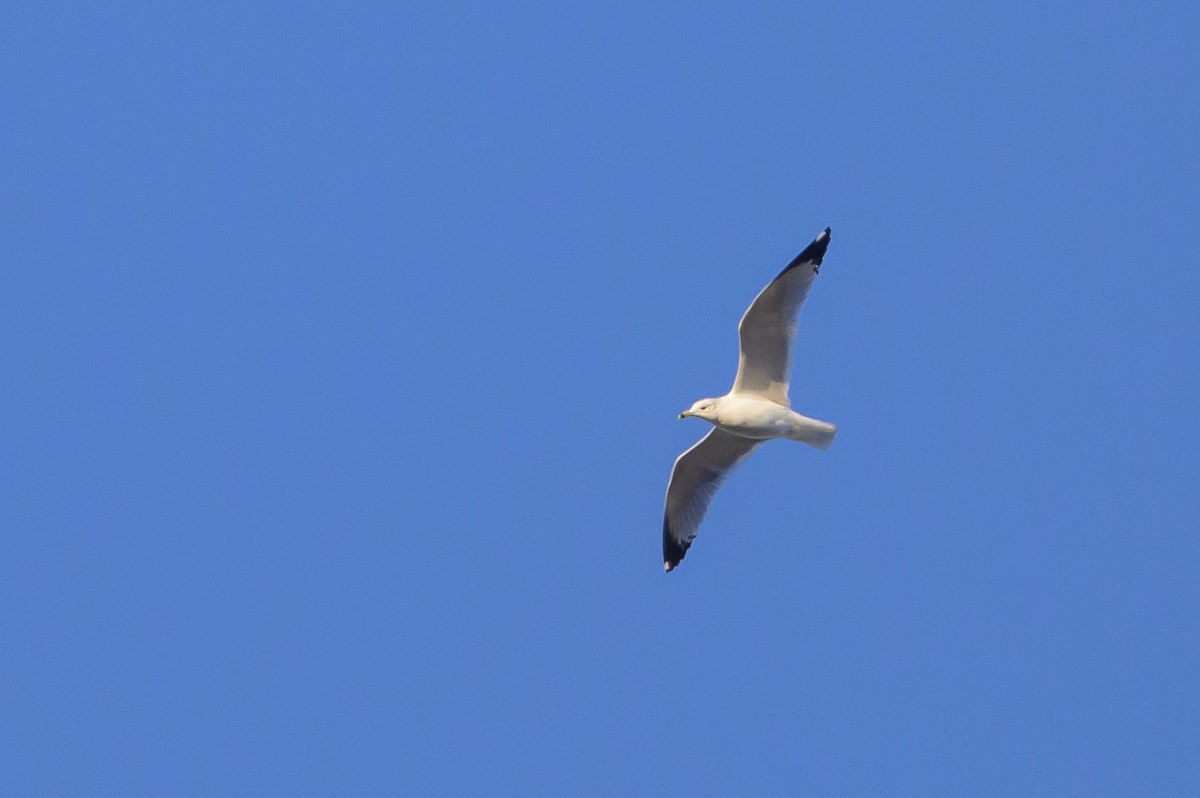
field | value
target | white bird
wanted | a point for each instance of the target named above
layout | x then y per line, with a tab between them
756	408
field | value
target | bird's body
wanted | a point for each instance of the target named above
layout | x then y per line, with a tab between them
750	416
755	410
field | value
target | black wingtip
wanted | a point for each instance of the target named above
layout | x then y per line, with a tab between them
672	551
813	254
816	250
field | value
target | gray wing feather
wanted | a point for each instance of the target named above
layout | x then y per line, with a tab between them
695	478
768	326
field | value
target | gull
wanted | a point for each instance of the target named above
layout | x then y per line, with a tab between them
756	408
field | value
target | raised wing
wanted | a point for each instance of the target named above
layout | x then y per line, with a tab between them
697	474
768	326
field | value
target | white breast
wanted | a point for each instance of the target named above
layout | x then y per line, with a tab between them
752	417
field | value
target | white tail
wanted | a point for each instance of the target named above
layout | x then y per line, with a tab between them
812	431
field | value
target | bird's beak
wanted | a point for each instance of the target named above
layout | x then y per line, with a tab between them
684	414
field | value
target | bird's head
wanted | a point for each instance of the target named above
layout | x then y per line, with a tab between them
704	408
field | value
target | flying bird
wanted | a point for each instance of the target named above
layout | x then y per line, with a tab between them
756	408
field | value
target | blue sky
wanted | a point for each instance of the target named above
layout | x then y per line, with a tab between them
343	349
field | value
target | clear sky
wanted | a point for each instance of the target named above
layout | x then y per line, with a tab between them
342	350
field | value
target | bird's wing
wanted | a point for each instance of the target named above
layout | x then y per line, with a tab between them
697	474
768	326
